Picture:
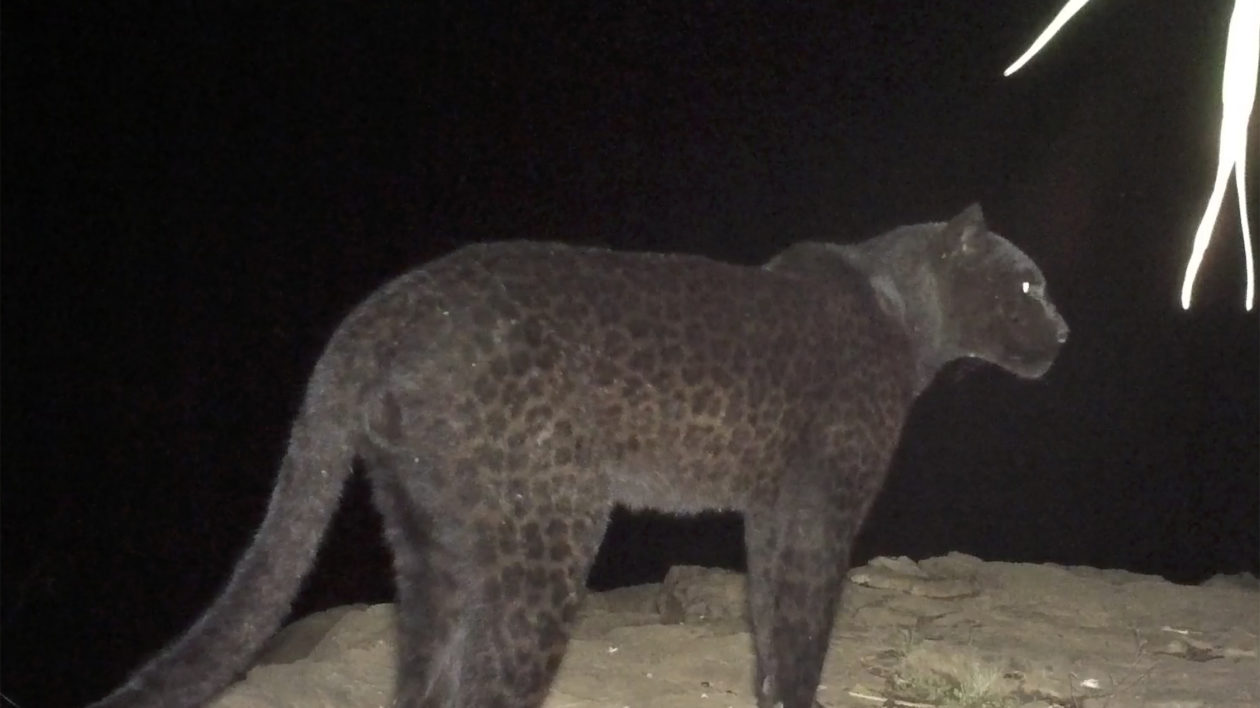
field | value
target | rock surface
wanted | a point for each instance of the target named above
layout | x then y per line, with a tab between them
953	630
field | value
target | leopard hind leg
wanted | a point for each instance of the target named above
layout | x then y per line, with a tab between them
427	584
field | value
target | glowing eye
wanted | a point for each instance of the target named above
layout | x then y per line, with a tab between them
1025	286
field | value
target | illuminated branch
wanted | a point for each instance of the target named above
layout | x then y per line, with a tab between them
1238	93
1073	7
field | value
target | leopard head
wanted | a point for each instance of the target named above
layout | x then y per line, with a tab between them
991	298
958	290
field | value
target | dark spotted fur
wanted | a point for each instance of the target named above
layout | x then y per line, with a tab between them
505	397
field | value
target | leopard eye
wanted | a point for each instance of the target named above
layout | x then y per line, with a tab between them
1032	288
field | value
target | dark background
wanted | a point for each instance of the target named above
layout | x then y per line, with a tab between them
195	194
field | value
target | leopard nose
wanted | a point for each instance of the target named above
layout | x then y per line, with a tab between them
1061	334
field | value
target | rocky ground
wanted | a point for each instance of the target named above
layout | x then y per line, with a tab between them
949	631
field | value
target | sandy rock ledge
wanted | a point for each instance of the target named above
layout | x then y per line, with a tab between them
949	631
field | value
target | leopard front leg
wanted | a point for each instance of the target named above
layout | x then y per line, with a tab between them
798	553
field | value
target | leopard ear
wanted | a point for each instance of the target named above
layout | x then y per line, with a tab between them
963	232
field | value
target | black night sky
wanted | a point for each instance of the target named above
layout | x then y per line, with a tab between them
194	194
